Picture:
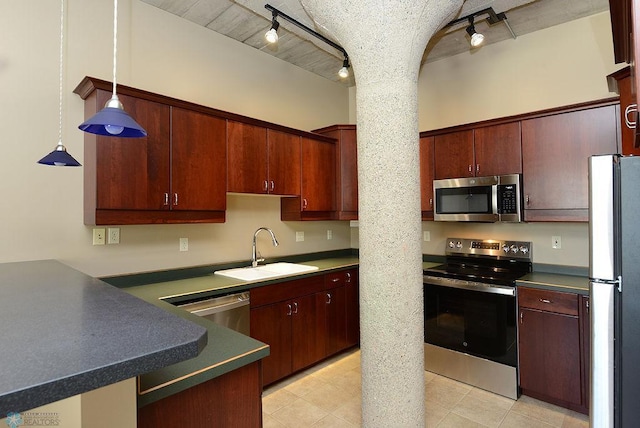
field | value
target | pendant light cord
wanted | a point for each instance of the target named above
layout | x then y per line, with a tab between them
61	67
115	42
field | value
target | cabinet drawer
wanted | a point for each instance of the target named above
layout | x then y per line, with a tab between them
269	294
547	300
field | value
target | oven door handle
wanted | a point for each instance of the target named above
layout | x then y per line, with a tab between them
469	285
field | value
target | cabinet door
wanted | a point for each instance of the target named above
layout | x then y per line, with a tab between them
318	175
454	155
426	173
585	338
198	161
271	324
284	163
336	306
549	355
133	173
348	171
308	330
555	152
247	158
497	149
353	307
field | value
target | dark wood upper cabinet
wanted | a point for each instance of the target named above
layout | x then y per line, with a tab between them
426	177
283	163
621	82
346	170
247	158
497	149
555	152
454	155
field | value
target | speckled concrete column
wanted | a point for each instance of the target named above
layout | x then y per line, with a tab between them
385	41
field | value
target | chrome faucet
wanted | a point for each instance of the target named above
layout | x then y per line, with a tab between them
254	257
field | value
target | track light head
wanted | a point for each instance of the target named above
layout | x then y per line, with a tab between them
476	38
344	71
272	34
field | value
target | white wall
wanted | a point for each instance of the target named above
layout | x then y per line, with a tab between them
157	52
561	65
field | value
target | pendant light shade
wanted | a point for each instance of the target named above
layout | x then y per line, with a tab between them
112	120
59	157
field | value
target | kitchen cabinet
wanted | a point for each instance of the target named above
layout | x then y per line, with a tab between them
262	160
231	400
342	311
318	183
426	176
477	152
346	170
555	152
290	318
585	343
621	82
174	175
550	354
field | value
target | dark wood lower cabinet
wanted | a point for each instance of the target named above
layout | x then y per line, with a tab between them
551	335
231	400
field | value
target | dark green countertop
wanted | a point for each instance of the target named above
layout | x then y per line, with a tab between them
226	350
555	281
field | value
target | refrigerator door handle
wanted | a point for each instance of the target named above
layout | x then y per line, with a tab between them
602	353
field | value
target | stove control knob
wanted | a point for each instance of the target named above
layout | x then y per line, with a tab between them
505	248
524	249
514	248
451	244
458	244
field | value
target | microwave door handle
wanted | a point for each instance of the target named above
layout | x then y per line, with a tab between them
494	199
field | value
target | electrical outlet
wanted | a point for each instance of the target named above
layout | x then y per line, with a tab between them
113	235
426	235
98	236
329	234
556	242
299	236
184	244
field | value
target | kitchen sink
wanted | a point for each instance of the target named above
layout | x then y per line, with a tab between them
270	270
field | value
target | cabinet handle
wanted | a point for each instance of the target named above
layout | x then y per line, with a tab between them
477	168
335	279
266	186
289	310
526	198
431	202
631	108
305	204
328	298
587	305
175	199
295	307
348	276
546	301
273	185
521	315
470	169
166	199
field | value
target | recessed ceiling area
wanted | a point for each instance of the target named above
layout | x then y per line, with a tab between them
247	21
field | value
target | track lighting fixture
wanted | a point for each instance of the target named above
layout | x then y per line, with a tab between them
476	38
59	156
272	34
344	71
112	120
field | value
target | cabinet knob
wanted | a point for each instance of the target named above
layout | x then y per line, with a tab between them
631	109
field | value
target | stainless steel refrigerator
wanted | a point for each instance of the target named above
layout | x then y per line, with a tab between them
614	270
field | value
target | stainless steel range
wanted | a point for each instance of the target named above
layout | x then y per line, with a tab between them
470	313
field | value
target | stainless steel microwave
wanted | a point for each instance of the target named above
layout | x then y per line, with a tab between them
482	199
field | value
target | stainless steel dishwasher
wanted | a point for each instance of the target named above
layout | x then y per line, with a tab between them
229	310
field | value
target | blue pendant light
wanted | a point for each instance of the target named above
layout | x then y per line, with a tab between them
112	120
59	156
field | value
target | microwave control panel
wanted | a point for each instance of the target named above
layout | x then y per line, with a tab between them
508	199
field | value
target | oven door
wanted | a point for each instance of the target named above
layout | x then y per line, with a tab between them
476	319
466	199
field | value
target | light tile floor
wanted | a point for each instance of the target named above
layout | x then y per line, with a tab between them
328	395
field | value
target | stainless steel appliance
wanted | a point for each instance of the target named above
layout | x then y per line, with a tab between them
614	269
470	313
230	310
482	199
